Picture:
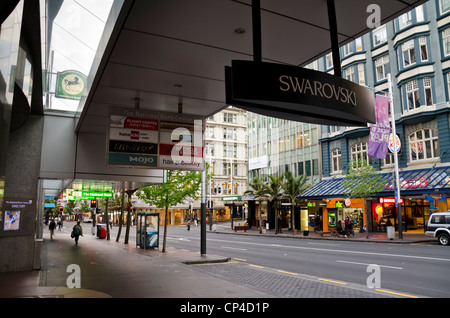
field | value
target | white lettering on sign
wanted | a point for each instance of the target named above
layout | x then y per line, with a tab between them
316	88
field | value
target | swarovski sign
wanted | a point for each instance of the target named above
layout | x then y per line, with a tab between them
299	94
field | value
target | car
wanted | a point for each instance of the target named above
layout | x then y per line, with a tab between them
439	226
87	220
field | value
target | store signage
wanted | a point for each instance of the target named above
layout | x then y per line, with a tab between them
391	143
70	84
150	139
232	198
297	93
389	200
339	204
436	198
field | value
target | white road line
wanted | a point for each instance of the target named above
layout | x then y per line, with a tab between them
234	248
393	267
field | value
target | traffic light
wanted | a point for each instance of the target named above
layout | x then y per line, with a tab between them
61	208
93	204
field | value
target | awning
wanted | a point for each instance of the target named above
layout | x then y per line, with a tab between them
431	180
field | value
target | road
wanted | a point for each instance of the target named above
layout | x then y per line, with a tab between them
404	270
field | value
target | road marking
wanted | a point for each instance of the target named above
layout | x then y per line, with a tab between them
331	281
280	271
393	267
240	259
399	294
342	251
257	266
234	248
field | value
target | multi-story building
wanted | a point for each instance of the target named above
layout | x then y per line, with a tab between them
226	155
278	145
414	49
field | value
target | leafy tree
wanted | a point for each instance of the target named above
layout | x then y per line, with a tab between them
178	186
274	192
68	209
362	181
258	190
292	188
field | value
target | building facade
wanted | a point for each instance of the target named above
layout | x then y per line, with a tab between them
414	49
226	155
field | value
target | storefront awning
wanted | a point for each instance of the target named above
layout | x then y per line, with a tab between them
421	181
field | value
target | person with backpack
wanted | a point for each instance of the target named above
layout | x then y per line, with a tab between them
77	231
52	228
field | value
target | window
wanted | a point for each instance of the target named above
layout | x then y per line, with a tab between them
404	20
209	132
359	151
446	41
444	5
382	67
419	14
423	144
379	35
361	75
428	93
229	133
229	118
230	150
423	48
210	149
336	161
358	43
347	49
412	94
389	159
329	60
408	55
440	219
350	73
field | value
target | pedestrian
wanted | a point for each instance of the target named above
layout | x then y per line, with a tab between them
349	227
340	228
77	231
60	224
188	224
279	224
52	227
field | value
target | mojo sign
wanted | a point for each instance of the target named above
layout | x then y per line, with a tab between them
299	94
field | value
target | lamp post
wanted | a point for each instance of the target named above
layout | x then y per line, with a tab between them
398	203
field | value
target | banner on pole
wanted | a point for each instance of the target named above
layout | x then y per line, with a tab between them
380	132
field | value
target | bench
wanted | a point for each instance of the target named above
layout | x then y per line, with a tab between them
241	228
325	233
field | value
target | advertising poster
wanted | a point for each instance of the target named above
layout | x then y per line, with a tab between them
148	139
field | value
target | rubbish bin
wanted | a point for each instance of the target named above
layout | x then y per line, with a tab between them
101	230
390	232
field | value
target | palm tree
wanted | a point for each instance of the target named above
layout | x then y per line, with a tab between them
257	189
292	188
274	192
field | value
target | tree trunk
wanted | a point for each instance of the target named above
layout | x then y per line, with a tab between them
166	219
108	233
260	220
121	216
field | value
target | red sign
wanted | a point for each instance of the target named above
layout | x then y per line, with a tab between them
180	150
141	123
389	200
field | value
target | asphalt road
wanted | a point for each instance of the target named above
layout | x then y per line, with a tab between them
404	270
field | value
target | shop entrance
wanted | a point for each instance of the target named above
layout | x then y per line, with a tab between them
416	214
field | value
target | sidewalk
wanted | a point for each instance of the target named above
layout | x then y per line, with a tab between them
110	269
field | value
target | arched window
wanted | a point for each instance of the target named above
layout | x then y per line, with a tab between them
423	144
